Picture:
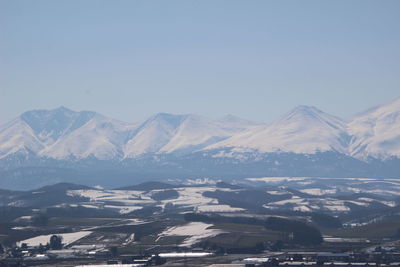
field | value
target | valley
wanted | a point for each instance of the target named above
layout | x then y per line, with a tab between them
210	216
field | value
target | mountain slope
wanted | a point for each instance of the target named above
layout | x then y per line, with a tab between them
62	133
100	137
376	133
153	134
17	137
197	132
304	130
167	133
50	125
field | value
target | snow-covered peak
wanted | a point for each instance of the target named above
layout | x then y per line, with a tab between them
235	120
310	114
100	137
17	137
62	133
153	134
389	109
376	132
168	133
49	125
306	110
197	132
303	130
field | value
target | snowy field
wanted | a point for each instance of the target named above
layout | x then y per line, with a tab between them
319	186
325	204
217	208
310	194
195	232
126	201
326	179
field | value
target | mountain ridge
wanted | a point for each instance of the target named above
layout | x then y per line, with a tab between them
301	130
62	133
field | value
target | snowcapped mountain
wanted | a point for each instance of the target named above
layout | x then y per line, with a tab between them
18	137
34	130
197	132
376	132
304	130
167	133
99	137
49	125
63	134
153	134
46	146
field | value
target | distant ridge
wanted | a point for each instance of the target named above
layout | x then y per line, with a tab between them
60	145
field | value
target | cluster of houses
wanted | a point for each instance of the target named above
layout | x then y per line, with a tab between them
304	259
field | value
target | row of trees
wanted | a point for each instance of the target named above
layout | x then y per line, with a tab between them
301	232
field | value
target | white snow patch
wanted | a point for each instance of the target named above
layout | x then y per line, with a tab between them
192	196
218	208
318	191
276	179
195	231
274	192
123	209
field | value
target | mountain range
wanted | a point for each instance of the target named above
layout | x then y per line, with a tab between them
305	136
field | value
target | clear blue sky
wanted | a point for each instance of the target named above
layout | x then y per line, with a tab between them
254	59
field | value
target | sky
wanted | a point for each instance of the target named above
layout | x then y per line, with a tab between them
254	59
